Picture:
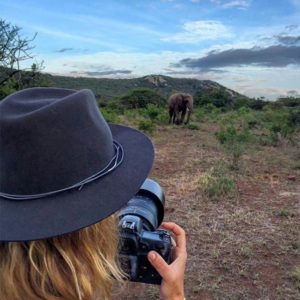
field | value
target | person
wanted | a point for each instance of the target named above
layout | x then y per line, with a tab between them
65	173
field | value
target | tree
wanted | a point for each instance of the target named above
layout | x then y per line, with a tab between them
140	98
217	97
13	50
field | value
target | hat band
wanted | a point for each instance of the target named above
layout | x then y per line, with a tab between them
112	165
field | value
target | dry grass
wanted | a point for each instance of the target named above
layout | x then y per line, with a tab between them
245	245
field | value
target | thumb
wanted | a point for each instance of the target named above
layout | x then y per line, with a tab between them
158	263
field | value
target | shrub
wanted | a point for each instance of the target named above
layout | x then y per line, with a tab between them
140	98
113	105
281	122
217	184
163	117
244	110
200	114
234	142
131	113
218	97
146	125
152	111
8	88
295	275
241	102
109	115
192	126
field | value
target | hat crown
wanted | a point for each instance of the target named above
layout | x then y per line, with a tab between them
51	139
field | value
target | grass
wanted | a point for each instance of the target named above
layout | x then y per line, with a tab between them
285	212
216	184
146	125
245	252
242	224
295	275
192	126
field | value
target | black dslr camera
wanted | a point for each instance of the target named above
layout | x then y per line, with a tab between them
138	222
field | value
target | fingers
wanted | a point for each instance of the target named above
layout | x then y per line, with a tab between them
179	233
173	242
158	263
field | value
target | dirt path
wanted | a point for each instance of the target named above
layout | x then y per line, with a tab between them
245	246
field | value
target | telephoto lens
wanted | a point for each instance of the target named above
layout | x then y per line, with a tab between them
138	222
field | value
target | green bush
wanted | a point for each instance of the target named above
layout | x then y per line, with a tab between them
217	184
200	114
252	120
192	126
217	97
163	117
293	118
146	125
109	115
152	111
113	105
289	101
8	88
240	102
234	142
140	98
131	113
281	122
244	110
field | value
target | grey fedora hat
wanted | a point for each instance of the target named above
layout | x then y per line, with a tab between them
62	167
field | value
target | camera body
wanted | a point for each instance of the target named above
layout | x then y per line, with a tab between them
138	222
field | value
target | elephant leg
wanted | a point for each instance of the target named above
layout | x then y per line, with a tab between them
182	115
171	114
188	117
177	119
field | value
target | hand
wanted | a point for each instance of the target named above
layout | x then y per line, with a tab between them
172	286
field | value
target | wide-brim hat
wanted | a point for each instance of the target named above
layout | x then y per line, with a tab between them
62	167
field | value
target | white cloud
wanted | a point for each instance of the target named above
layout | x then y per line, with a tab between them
252	81
138	63
197	31
241	4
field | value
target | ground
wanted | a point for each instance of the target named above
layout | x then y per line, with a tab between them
243	245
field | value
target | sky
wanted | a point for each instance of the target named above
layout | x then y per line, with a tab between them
250	46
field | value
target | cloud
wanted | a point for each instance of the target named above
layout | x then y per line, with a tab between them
274	56
288	40
241	4
290	28
64	50
196	31
104	73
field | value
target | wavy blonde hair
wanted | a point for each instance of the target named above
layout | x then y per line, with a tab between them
78	265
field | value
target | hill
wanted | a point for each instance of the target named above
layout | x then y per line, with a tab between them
106	88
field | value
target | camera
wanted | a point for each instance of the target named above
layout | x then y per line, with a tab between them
138	221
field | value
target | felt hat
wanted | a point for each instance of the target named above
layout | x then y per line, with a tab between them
62	167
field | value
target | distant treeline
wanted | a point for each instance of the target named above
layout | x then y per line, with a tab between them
152	89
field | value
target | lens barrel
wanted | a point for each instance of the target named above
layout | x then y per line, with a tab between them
148	204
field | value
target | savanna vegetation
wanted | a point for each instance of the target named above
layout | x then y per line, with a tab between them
231	176
231	179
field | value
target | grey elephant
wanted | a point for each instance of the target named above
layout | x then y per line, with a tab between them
179	103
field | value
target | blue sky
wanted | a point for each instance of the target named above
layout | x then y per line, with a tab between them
251	46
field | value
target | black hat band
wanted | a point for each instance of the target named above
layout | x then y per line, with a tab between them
112	165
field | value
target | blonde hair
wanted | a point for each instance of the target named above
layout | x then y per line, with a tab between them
73	266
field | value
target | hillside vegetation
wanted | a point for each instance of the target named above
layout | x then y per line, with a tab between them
231	179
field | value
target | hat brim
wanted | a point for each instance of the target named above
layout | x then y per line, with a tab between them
72	210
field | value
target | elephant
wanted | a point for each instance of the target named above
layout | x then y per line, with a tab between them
179	103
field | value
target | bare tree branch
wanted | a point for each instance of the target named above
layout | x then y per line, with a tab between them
14	48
